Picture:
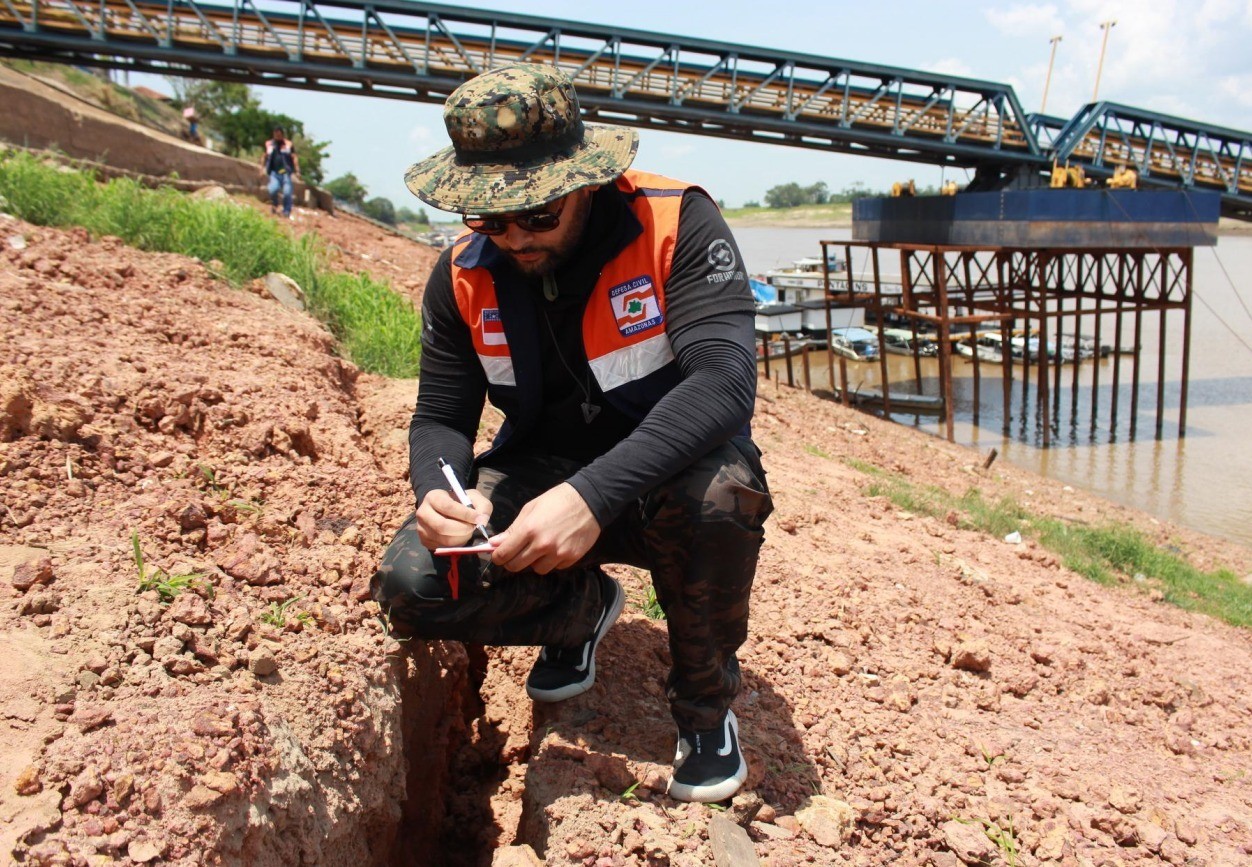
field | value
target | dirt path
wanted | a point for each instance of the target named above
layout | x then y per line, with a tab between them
925	680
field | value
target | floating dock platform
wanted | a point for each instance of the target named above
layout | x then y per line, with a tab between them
1064	218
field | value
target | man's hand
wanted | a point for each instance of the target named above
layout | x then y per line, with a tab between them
553	531
442	522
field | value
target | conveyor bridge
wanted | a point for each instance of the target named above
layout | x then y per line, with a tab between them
422	51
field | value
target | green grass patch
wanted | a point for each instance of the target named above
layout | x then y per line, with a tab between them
1108	554
816	452
652	606
377	328
166	585
868	469
833	212
276	614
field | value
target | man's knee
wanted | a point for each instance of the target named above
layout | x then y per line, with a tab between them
728	484
407	586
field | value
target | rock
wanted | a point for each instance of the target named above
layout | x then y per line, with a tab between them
142	851
26	575
730	843
745	807
123	788
261	662
200	797
1151	835
166	647
967	842
220	781
86	787
788	823
1187	831
17	402
211	193
515	856
774	832
972	656
91	716
1052	847
248	560
611	772
1124	800
285	291
193	517
28	782
209	724
190	609
828	821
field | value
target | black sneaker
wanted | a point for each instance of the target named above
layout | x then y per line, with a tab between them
564	672
708	766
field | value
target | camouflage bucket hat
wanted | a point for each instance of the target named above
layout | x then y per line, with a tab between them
518	142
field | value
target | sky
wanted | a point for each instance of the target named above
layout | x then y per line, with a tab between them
1186	58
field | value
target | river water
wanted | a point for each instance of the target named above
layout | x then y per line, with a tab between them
1202	480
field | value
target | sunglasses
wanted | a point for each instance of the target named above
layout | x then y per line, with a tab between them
528	221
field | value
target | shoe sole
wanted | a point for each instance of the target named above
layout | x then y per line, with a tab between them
710	794
549	696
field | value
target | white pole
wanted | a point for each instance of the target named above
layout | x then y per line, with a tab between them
1047	82
1106	26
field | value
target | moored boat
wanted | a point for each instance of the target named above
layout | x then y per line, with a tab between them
902	341
855	343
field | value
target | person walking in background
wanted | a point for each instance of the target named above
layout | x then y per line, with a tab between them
282	166
606	312
193	124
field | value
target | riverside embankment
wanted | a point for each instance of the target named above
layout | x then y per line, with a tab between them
929	680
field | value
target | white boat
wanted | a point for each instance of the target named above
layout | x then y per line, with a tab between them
805	280
778	318
804	286
901	341
985	346
858	344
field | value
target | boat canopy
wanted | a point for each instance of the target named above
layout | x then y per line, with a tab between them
762	292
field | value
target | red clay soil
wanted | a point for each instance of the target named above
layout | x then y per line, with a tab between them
909	686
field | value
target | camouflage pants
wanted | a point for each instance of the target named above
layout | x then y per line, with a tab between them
698	533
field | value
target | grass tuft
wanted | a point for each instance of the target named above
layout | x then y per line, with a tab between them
1108	555
377	328
166	585
652	606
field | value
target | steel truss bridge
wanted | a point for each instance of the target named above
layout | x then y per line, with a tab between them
421	51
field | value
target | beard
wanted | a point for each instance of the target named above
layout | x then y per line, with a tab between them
539	259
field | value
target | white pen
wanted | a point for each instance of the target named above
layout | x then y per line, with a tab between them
455	484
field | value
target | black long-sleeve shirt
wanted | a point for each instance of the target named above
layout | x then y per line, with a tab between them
709	321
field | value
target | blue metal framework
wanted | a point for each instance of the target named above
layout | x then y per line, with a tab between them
422	51
1164	150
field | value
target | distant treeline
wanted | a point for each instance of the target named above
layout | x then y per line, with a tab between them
349	189
793	195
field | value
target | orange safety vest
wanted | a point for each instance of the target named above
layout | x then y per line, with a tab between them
623	324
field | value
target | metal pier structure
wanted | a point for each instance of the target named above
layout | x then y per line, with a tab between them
422	51
1082	278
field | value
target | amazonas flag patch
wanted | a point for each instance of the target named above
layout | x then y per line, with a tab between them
635	306
493	328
